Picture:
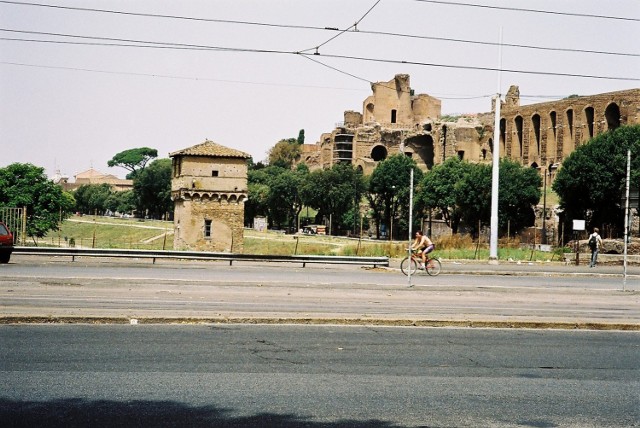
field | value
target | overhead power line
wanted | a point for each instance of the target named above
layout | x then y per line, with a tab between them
155	15
351	29
341	32
515	9
465	67
169	76
508	45
208	79
158	45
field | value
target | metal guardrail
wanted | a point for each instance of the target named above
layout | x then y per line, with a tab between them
197	255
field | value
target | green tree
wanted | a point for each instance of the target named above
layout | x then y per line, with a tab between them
257	204
473	196
437	190
461	191
300	137
376	204
92	198
592	179
26	185
259	183
122	202
133	160
519	193
390	182
333	192
284	197
284	153
152	188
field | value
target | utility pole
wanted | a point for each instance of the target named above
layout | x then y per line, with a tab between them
544	210
493	241
495	177
626	221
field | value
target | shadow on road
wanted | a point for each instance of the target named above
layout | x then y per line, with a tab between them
71	413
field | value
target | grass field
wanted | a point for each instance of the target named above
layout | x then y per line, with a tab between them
108	232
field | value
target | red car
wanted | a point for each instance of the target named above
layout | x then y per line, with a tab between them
6	243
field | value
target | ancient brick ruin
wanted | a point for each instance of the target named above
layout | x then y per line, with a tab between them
395	120
543	135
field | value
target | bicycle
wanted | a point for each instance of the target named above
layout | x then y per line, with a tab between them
432	267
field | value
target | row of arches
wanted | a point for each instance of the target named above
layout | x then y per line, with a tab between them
211	197
555	136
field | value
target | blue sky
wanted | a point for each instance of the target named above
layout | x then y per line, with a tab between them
70	106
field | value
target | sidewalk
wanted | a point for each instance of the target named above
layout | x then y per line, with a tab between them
524	268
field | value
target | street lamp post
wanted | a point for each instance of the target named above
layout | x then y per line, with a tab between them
544	209
549	170
393	203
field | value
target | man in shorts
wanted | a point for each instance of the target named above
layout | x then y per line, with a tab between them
423	244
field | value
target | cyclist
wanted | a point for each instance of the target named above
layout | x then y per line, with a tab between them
424	245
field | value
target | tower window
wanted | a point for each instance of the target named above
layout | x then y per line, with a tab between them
207	229
393	116
214	173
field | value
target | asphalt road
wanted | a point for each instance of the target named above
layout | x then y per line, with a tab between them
35	289
316	376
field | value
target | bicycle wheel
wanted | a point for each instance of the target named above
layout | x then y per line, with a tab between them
407	263
434	267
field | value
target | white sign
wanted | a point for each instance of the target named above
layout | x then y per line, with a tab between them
260	224
578	225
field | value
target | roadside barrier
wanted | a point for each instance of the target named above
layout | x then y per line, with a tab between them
197	255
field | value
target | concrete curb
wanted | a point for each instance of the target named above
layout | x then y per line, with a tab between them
593	274
7	320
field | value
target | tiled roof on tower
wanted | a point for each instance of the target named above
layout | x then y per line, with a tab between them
209	148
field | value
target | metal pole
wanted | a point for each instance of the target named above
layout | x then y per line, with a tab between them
493	244
410	223
24	225
544	211
626	221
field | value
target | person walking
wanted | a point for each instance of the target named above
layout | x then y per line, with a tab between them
595	243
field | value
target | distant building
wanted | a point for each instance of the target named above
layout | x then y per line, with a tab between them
93	176
542	135
209	189
396	120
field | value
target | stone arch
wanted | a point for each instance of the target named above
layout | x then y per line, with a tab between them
612	116
589	118
503	136
370	110
567	135
379	153
516	152
552	136
444	143
423	147
570	122
535	122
